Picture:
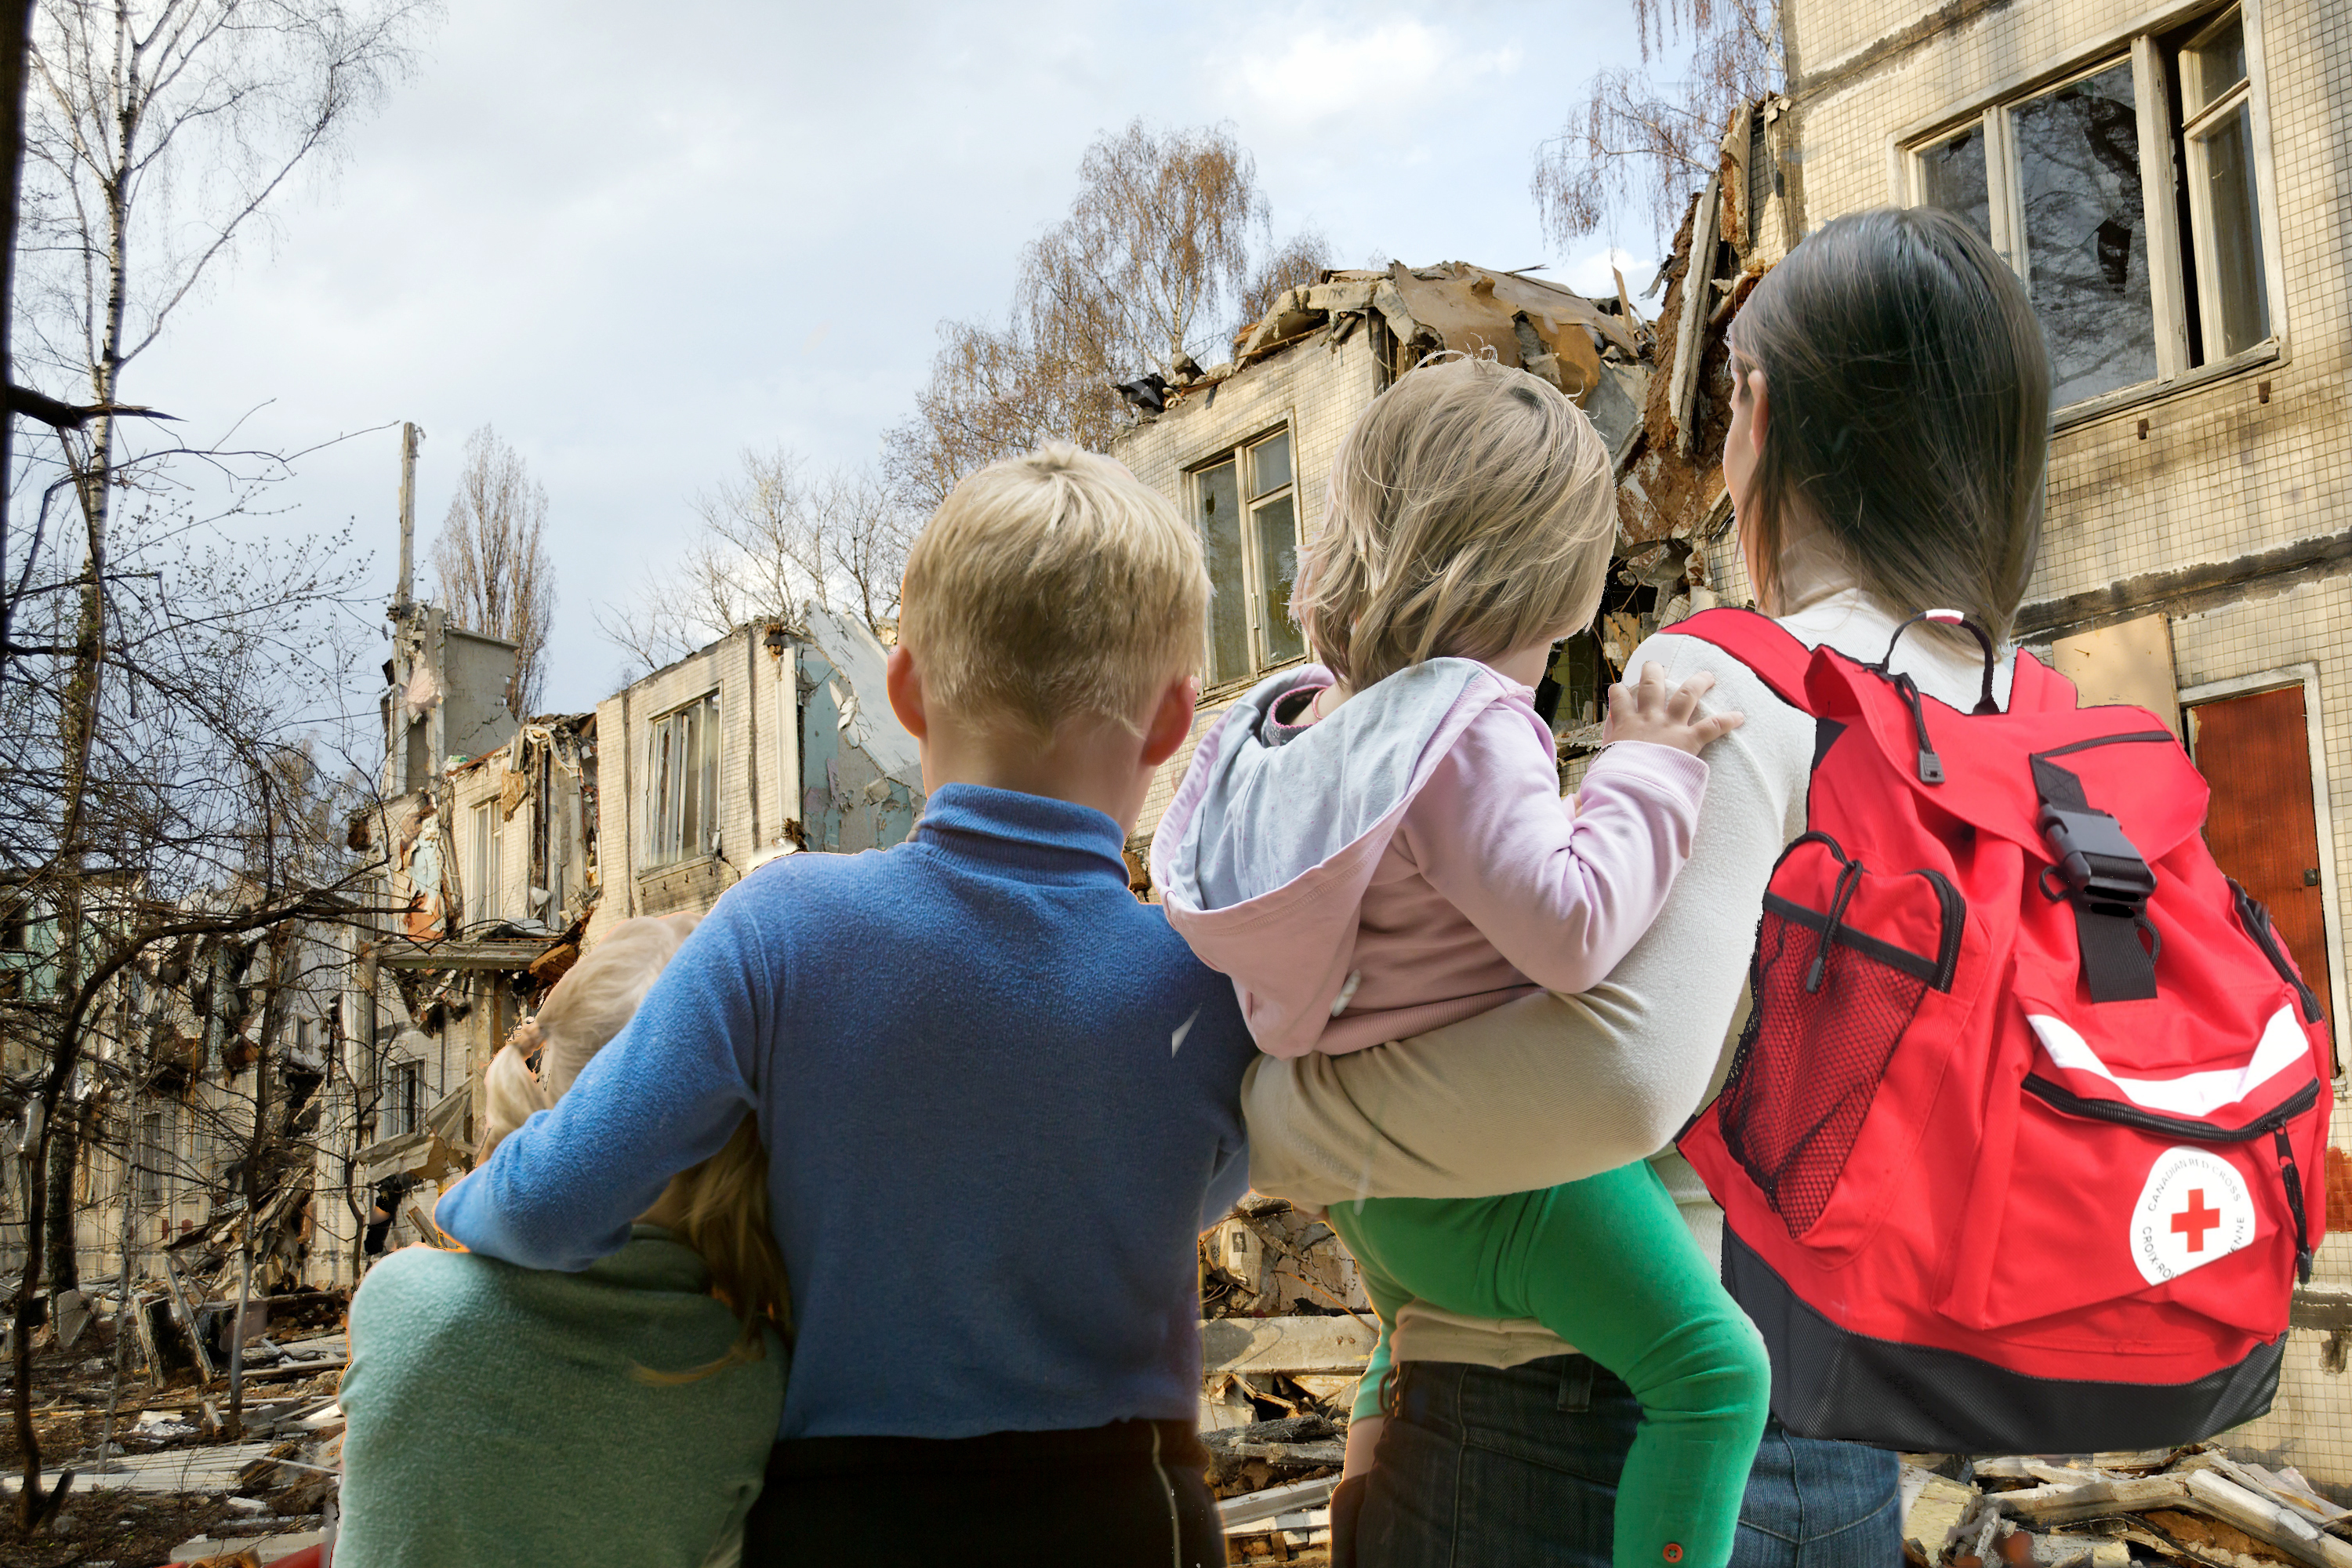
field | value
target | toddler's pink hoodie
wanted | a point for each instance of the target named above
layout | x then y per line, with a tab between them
1408	862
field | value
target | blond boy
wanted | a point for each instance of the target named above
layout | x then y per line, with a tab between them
1000	1096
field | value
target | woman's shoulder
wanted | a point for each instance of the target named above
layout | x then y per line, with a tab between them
427	1284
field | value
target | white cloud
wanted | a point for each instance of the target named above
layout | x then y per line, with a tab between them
638	251
1325	74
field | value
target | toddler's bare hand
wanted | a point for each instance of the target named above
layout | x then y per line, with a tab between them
1649	709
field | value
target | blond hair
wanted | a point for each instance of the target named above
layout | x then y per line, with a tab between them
723	1200
1472	511
1052	585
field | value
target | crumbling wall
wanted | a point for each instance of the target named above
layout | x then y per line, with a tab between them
861	772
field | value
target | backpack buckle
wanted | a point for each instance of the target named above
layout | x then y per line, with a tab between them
2096	863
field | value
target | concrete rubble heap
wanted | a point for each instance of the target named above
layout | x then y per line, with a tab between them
2168	1506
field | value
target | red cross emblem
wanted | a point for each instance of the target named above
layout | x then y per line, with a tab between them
2195	1220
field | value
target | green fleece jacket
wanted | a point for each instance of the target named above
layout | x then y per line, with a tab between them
495	1419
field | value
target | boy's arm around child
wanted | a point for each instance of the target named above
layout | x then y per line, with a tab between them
667	1094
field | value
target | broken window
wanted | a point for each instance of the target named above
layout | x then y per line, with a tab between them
149	1158
2129	199
682	784
2085	252
404	1096
1249	531
1760	174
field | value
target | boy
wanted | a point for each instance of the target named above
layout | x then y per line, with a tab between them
1000	1097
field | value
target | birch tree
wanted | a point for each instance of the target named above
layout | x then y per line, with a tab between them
1633	141
158	135
1156	258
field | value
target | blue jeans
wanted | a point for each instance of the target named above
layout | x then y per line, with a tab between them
1485	1469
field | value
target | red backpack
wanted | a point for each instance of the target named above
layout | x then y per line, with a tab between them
2021	1147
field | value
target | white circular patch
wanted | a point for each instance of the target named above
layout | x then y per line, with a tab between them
2194	1209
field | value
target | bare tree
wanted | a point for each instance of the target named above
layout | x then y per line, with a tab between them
1302	258
1634	140
156	135
1157	251
773	540
491	560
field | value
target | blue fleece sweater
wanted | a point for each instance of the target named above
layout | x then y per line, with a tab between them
999	1099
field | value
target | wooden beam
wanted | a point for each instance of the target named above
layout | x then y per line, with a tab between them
1337	1345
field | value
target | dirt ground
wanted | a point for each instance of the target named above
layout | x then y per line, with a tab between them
106	1529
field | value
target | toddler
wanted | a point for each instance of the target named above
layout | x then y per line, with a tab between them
1375	846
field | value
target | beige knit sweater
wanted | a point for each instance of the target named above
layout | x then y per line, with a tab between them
1555	1088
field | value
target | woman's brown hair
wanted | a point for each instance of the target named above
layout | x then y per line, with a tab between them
1909	412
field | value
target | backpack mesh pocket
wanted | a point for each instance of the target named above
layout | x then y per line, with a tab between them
1810	1060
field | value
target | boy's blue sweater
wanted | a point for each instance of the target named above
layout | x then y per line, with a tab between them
999	1099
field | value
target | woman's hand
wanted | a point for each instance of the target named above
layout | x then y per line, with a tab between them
1645	709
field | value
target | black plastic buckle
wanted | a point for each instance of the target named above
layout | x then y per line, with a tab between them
2095	861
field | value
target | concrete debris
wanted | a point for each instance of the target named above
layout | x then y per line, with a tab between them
2194	1505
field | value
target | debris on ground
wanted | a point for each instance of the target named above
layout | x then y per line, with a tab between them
2156	1509
184	1481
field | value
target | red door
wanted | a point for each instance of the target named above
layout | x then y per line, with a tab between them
2255	752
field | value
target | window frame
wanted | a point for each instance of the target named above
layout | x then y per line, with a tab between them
663	839
2142	44
483	868
148	1188
1262	656
399	1073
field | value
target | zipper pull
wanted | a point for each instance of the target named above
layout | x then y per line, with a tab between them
1849	878
2295	1203
1931	766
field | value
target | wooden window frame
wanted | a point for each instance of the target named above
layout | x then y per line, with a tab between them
2305	675
664	848
2140	43
1261	658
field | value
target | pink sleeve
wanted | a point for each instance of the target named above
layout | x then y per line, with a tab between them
1562	895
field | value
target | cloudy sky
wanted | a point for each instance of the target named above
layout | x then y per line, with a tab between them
637	249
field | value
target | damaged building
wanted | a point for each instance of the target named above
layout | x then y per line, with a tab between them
1244	448
502	867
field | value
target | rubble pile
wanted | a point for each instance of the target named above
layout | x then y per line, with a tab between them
2158	1509
185	1478
1286	1331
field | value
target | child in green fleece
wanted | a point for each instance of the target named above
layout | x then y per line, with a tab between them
645	1400
1376	847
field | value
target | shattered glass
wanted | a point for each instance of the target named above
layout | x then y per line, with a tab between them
1953	173
2085	234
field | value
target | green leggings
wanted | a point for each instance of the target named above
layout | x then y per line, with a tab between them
1608	1265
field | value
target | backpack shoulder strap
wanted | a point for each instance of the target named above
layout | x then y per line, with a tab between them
1760	642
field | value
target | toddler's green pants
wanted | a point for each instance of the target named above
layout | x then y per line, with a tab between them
1608	1265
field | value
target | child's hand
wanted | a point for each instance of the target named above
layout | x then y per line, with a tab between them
1648	711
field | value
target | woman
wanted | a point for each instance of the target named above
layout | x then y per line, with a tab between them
1889	430
620	1416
